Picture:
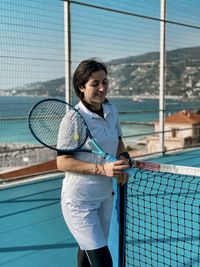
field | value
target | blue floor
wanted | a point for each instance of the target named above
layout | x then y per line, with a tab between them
32	229
189	158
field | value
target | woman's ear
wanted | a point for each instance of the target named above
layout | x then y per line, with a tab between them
81	89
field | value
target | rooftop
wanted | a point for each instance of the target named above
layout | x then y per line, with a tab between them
184	116
32	229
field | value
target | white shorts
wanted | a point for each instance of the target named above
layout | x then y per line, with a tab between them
88	221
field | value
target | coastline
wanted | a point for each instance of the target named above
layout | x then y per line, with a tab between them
15	156
143	96
153	97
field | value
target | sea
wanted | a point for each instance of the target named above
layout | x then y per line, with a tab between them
14	112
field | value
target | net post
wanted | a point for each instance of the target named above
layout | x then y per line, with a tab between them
122	224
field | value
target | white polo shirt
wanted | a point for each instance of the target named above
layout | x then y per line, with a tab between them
106	131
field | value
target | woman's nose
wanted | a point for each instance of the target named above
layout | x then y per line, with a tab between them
103	87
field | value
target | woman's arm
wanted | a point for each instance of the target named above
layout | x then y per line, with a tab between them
121	147
68	163
122	154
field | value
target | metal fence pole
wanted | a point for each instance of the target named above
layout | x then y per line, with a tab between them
162	74
67	43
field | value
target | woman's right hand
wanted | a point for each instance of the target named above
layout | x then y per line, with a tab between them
116	170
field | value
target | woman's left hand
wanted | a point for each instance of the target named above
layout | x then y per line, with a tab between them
122	179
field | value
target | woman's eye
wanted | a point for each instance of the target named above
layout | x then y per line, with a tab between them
94	84
98	83
106	81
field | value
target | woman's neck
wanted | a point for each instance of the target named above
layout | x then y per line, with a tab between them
97	110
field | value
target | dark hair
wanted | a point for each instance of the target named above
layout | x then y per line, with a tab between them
83	73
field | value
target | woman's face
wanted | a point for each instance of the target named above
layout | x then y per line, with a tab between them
95	89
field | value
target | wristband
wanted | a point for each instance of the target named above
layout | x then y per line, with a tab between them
127	156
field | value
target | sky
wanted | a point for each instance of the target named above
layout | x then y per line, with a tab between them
32	34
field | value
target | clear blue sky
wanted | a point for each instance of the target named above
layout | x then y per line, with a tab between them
32	34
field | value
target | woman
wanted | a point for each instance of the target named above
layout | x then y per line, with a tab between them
87	193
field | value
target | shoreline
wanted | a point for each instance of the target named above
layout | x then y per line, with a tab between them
143	96
15	155
153	97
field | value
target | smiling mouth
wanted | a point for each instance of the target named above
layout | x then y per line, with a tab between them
100	95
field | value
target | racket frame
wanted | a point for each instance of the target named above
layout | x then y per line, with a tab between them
97	150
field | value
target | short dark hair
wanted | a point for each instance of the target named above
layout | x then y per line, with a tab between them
83	73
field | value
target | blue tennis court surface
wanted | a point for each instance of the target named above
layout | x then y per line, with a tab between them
32	229
185	158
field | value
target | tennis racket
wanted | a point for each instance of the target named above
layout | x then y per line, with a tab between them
59	126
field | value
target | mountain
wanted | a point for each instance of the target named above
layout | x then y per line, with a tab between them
137	75
52	88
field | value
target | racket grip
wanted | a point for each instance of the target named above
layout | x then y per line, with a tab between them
130	171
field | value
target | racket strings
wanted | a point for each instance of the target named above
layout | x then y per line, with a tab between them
45	120
72	133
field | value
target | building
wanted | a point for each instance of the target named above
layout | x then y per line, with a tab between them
182	129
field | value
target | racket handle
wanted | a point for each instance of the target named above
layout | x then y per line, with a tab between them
130	171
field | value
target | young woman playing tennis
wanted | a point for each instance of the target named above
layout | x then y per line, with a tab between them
87	192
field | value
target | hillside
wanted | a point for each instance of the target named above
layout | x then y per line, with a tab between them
137	75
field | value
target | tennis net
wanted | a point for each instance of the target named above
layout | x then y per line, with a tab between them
162	217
